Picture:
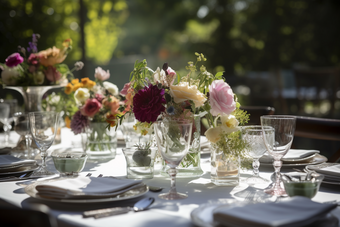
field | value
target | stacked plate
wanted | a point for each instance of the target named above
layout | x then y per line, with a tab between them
296	157
12	167
331	171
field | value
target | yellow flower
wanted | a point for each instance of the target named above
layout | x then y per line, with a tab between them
68	89
77	86
214	134
75	81
88	83
182	92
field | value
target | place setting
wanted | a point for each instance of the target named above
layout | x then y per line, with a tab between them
12	168
331	172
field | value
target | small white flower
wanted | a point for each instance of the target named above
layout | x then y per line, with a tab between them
10	76
159	76
229	123
101	75
81	95
112	88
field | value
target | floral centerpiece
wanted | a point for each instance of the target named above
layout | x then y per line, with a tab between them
97	104
163	93
31	67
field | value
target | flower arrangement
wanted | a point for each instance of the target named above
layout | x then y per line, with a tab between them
163	93
96	101
33	68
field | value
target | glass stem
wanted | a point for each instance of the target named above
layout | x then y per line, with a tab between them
28	145
277	166
7	131
43	155
172	173
256	165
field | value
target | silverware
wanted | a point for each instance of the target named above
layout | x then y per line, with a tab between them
88	175
141	205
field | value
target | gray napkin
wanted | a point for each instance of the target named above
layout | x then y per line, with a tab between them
294	212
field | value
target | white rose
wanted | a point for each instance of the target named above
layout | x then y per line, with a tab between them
81	95
229	123
39	77
214	134
10	76
159	76
112	88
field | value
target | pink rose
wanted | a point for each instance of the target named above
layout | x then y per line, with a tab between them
52	74
14	60
125	89
101	75
91	107
33	59
221	98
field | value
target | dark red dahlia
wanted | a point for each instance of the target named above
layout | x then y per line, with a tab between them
148	104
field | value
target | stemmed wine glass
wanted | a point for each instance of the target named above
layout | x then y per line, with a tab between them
252	134
43	127
4	119
22	127
173	139
284	127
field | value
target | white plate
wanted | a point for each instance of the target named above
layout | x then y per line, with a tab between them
317	159
20	170
134	193
298	160
323	165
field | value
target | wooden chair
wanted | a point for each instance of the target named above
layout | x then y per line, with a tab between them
256	112
320	129
316	85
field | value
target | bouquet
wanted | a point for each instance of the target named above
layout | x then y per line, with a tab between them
96	101
163	93
33	68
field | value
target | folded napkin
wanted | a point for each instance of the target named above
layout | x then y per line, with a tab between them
333	170
291	154
86	187
7	161
294	212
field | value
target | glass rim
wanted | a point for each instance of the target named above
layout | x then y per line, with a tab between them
256	127
182	122
278	117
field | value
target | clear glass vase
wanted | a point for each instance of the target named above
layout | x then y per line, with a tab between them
225	168
101	142
191	163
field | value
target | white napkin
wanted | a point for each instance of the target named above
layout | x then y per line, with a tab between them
86	187
291	154
7	161
333	170
293	212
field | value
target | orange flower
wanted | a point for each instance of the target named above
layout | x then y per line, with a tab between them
76	86
88	83
51	56
75	81
111	103
111	119
68	89
67	122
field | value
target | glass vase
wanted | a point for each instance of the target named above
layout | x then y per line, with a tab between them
101	142
225	168
191	163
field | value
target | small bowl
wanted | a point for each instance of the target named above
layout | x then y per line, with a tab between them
68	162
297	185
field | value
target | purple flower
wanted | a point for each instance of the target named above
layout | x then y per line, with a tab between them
79	123
148	103
14	60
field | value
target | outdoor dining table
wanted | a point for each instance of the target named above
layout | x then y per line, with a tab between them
163	213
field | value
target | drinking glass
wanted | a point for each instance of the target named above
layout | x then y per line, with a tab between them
173	140
252	134
284	127
43	127
4	119
22	127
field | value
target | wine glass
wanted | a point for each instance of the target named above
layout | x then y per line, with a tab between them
43	127
252	134
173	139
4	119
284	127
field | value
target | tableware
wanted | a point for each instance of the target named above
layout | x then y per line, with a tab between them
173	139
329	179
69	162
141	205
302	184
317	159
155	189
254	136
130	194
139	162
19	171
4	119
284	127
43	126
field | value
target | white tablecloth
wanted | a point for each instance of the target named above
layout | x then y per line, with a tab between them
162	213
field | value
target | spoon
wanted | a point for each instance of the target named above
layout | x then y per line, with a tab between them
141	205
